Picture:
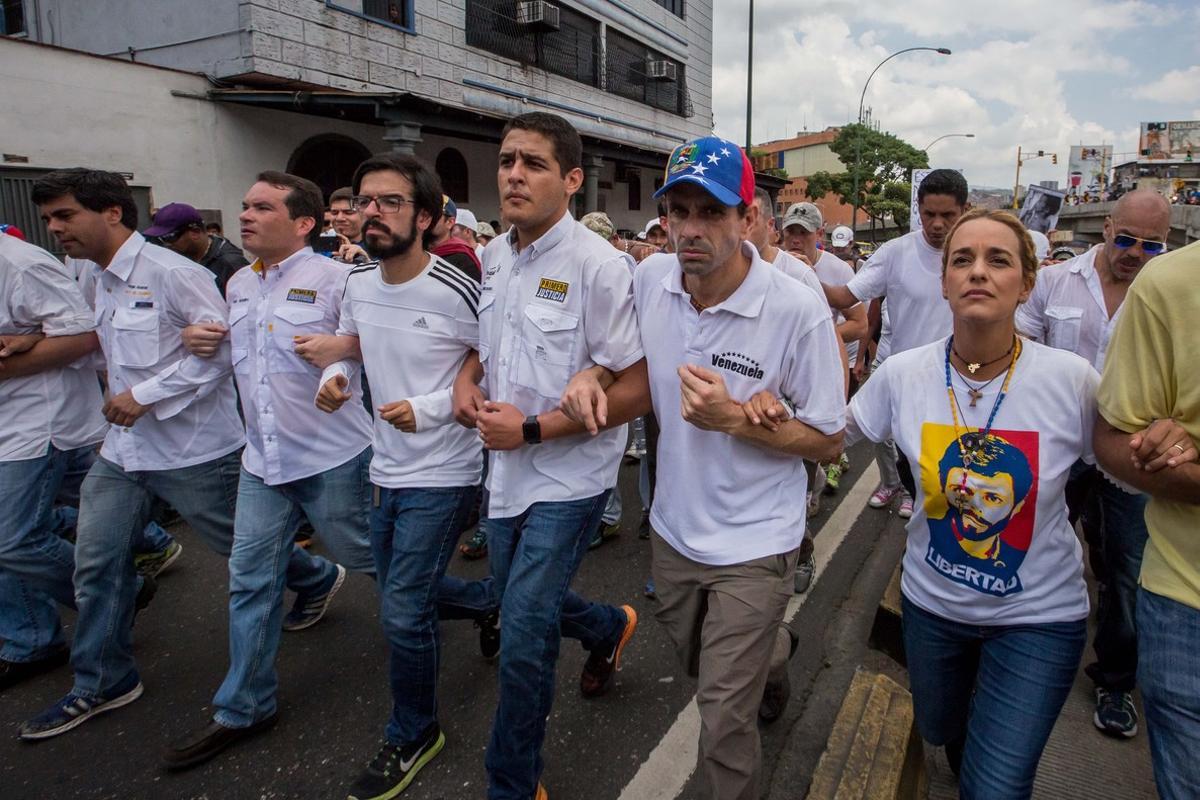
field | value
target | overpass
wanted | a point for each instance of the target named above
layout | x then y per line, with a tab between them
1087	222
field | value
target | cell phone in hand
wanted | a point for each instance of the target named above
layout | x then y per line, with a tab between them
328	243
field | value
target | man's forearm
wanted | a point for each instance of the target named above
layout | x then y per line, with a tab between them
628	397
1181	483
793	438
53	352
840	297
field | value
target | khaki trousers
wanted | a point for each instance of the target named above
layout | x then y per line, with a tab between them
726	623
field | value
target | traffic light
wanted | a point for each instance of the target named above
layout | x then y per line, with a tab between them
1041	153
1054	158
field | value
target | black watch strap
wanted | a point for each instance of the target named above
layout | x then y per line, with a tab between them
531	430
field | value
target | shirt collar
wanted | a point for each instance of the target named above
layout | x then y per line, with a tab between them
1085	263
124	259
549	239
294	258
747	299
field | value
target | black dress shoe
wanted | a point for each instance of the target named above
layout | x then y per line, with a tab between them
13	672
206	743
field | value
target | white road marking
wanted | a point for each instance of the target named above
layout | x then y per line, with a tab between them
671	763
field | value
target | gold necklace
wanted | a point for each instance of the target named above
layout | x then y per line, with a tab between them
975	366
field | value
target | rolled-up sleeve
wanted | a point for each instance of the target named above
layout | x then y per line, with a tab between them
610	322
45	297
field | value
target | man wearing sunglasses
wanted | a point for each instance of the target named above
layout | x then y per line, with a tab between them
178	227
1075	306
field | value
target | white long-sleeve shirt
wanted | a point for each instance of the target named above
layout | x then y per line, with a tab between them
59	407
287	436
414	338
142	302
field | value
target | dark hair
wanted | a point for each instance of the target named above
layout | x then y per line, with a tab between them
949	182
344	193
426	186
302	200
94	189
568	147
662	208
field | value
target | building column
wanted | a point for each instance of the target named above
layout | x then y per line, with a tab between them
591	182
400	131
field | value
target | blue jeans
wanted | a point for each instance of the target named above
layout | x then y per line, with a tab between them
335	502
413	534
994	690
533	558
37	563
1117	521
1169	674
114	508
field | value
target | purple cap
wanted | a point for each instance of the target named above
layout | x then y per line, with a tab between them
171	218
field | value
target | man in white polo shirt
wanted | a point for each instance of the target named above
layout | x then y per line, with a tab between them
721	326
556	300
298	460
1075	306
908	271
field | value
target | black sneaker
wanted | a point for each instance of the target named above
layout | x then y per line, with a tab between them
1115	714
598	670
644	527
777	693
74	710
394	767
489	636
308	609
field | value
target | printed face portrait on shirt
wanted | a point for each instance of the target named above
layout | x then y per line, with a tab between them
534	190
980	513
705	233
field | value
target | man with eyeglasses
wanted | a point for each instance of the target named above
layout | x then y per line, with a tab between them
178	227
1075	306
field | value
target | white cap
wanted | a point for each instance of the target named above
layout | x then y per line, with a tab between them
806	215
467	220
841	236
1041	244
655	222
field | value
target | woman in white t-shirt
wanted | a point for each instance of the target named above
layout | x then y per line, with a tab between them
995	605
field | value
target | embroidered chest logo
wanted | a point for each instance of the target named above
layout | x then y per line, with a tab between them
302	296
552	290
741	364
421	324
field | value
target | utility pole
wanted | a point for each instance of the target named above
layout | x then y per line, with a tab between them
1017	182
749	77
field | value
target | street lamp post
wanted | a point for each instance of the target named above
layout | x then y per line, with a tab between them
945	51
749	76
947	136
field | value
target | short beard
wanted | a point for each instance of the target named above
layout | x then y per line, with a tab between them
400	246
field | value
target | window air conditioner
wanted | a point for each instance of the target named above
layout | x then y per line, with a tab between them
538	14
662	70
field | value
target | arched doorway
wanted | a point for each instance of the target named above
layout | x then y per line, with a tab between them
328	160
451	167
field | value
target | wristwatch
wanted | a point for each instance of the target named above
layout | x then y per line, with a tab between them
531	430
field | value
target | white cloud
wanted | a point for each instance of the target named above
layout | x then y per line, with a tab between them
1006	81
1176	86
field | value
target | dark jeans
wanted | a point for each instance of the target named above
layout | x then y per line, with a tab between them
413	534
1114	526
533	558
1170	680
994	690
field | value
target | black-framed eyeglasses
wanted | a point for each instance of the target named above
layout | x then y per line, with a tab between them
388	203
1149	246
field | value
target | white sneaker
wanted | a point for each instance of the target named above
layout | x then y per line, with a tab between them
883	495
906	506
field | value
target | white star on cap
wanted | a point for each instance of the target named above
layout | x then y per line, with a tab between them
699	169
725	151
713	158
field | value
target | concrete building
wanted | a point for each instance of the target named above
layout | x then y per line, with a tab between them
800	157
194	98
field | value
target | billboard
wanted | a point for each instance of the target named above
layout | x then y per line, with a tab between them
1169	141
1087	170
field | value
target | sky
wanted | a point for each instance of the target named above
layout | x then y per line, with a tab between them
1040	74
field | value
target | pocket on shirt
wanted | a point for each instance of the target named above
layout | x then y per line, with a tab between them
1062	327
547	348
239	327
288	322
135	339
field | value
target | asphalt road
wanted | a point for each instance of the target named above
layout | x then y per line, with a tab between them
633	744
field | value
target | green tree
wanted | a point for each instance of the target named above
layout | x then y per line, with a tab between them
884	164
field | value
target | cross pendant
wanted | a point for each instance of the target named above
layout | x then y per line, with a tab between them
974	394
